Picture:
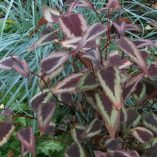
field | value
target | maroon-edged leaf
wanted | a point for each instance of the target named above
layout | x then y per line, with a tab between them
124	153
114	144
75	150
6	129
142	134
130	48
27	139
152	70
94	128
150	121
50	14
73	25
110	115
39	98
53	61
116	60
68	85
110	81
7	62
21	66
140	43
100	154
45	113
47	36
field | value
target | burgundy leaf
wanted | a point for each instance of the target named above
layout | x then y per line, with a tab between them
6	129
142	134
110	81
27	139
47	36
68	85
73	25
130	48
100	154
75	150
21	66
38	99
53	61
45	113
143	43
124	153
7	63
152	70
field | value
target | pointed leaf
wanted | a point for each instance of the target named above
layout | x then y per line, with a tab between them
100	154
110	115
126	154
21	67
53	61
73	25
75	150
87	82
6	129
110	81
39	98
142	134
94	128
7	62
45	113
150	121
27	139
47	36
68	85
130	48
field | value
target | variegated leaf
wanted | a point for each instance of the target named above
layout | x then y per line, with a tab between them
7	62
49	77
110	81
75	150
50	14
152	70
114	144
39	98
45	113
68	85
123	153
47	36
27	139
87	82
143	43
130	48
110	115
100	154
24	151
53	61
21	66
73	25
94	128
6	129
150	121
142	134
77	133
116	60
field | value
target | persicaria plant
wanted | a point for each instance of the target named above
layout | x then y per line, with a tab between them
110	92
